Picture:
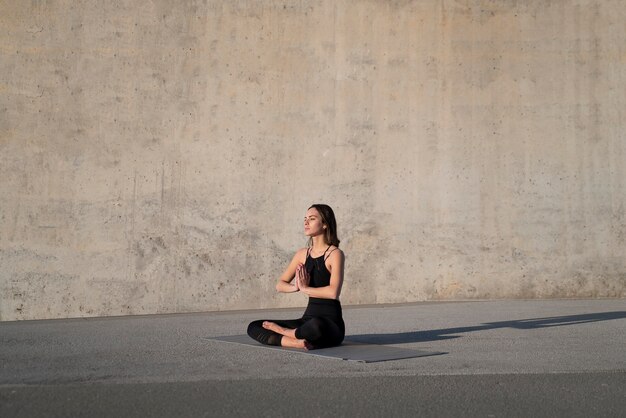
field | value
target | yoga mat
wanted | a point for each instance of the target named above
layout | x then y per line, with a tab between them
348	350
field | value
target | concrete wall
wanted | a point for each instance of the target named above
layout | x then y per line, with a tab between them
158	156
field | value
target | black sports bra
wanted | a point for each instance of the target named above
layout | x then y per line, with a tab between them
320	276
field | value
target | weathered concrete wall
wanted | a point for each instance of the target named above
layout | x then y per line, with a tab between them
158	156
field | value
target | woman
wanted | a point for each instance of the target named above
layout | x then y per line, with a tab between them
318	272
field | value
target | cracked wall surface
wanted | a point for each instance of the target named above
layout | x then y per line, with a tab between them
159	156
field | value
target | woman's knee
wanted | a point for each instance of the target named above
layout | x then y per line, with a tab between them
254	327
318	324
312	330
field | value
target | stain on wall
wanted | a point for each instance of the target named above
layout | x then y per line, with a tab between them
159	157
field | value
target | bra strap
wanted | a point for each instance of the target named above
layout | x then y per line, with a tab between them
326	258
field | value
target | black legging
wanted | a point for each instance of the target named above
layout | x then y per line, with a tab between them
321	325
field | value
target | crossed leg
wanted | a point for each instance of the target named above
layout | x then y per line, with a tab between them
289	336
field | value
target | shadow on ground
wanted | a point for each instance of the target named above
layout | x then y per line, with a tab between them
448	333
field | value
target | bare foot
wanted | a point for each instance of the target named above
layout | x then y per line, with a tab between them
274	327
295	343
289	336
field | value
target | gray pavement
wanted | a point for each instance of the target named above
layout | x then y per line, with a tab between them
502	358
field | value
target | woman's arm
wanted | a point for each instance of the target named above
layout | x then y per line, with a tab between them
284	284
332	291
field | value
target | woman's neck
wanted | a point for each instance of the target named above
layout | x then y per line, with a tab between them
318	243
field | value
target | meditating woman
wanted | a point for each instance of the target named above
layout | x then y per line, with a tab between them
318	272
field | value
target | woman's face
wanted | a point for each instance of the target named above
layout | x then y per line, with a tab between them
313	223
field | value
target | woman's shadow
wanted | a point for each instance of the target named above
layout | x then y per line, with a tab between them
449	333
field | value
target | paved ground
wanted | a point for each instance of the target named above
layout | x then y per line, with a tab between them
503	358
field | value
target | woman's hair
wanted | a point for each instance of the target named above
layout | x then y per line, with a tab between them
328	219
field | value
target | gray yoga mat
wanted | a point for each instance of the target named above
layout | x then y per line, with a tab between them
348	350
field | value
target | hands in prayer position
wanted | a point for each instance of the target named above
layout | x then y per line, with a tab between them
302	278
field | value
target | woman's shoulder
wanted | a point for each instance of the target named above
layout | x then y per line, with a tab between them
301	254
335	251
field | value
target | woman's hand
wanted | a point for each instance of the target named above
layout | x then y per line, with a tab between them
296	285
302	277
